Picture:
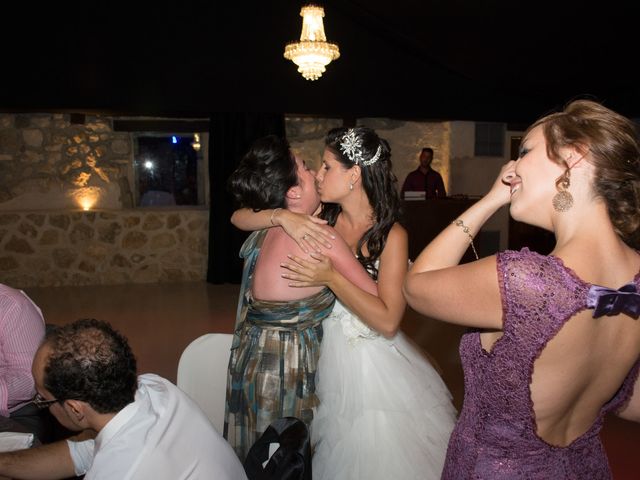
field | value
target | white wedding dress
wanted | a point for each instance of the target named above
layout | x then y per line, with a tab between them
384	411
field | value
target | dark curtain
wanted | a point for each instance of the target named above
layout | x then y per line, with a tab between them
230	135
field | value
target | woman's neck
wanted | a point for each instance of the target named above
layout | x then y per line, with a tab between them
356	210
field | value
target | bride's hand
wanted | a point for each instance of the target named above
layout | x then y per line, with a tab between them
307	231
309	273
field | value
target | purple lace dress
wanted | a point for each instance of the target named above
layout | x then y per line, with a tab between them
495	437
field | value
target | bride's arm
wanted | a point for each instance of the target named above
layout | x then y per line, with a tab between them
306	230
382	313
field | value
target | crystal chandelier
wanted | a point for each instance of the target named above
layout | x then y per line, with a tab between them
312	53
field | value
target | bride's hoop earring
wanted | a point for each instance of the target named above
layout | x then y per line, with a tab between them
563	200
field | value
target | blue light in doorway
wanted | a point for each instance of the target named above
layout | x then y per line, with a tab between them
174	139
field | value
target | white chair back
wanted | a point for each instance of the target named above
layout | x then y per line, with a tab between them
202	374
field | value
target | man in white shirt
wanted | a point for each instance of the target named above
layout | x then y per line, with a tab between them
147	428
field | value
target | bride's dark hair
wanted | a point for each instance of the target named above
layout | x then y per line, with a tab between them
379	184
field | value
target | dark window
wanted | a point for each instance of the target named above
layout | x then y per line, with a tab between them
489	139
167	168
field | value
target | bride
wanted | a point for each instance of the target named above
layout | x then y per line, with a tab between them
384	411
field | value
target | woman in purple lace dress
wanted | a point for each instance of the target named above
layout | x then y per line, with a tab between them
554	343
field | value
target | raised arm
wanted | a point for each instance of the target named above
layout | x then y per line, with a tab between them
305	230
468	294
382	313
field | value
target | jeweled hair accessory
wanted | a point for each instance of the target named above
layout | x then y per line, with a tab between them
351	146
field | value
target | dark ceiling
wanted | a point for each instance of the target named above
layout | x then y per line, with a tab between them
432	60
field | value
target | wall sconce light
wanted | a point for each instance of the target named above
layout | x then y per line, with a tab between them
86	197
312	53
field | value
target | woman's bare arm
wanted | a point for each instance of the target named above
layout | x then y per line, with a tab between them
469	294
382	313
305	230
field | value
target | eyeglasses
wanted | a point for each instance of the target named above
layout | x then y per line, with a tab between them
41	403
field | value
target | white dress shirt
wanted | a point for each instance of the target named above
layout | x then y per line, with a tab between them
163	435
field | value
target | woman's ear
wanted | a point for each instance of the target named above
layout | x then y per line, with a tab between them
294	192
356	172
572	156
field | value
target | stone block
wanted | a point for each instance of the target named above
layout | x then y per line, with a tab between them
64	257
33	137
172	275
152	222
131	221
9	218
61	221
86	267
96	251
8	263
137	258
162	240
36	218
196	224
27	230
173	220
134	240
120	261
109	233
81	233
49	237
19	245
9	141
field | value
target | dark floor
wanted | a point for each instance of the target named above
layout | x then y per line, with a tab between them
161	320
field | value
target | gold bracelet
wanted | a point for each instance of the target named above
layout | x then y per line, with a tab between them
465	229
272	214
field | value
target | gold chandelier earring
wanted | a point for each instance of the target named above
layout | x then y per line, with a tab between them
563	200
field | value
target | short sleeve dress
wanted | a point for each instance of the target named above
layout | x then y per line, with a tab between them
495	437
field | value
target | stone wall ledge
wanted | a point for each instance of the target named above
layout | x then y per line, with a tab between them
103	246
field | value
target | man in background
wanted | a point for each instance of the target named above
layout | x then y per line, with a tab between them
424	178
144	426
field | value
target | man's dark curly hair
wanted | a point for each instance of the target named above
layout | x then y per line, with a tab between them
91	362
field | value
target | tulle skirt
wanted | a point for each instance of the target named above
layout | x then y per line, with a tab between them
384	411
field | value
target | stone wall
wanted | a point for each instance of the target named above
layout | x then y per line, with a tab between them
102	247
48	163
50	168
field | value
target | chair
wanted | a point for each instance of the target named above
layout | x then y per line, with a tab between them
202	374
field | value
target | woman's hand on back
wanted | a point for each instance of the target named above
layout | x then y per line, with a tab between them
309	273
306	230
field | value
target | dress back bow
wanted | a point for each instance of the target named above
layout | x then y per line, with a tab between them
606	301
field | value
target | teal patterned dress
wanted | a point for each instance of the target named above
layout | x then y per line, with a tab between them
273	357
